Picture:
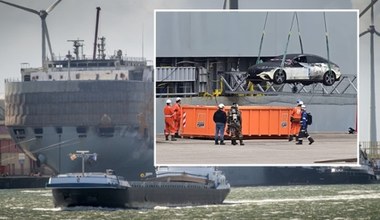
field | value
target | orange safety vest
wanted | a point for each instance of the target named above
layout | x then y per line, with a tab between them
296	114
178	111
169	120
169	112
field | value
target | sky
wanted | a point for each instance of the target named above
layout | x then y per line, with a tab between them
128	23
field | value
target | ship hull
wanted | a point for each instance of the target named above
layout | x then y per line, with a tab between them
50	119
280	176
175	194
140	195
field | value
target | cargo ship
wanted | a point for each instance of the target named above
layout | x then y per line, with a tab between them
166	187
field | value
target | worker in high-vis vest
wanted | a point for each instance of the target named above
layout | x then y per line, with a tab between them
295	119
177	117
169	121
305	121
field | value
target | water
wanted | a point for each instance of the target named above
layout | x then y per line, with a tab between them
283	202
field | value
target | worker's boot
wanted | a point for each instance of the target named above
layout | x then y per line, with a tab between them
241	142
173	138
222	143
299	142
311	140
177	135
166	137
290	137
216	142
233	142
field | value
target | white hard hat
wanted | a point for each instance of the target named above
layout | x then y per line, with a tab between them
221	105
178	99
300	102
168	101
303	106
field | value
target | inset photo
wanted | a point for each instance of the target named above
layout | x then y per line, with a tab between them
256	88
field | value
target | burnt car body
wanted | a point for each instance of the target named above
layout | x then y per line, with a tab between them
298	68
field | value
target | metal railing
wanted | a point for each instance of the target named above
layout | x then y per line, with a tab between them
372	149
237	83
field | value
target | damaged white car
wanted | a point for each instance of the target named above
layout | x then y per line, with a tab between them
297	68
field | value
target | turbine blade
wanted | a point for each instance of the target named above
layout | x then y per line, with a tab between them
52	6
367	8
21	7
364	33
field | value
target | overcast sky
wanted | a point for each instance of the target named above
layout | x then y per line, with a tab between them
122	22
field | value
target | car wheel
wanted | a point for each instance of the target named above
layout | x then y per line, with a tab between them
279	76
329	78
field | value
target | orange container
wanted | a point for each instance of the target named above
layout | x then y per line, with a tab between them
258	121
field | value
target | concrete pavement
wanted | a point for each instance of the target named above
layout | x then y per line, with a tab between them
330	147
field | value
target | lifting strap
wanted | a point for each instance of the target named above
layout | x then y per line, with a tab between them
262	39
327	43
299	33
287	43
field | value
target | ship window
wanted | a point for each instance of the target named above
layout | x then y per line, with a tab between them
50	76
58	130
61	77
81	129
106	131
19	131
27	78
136	75
92	64
77	76
82	64
38	131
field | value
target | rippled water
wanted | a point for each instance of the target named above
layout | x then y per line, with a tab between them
284	202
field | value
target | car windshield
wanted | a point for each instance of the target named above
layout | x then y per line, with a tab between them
288	57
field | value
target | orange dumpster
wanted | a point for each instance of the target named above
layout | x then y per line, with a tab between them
258	121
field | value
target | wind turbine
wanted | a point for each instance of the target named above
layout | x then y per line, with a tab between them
45	35
371	30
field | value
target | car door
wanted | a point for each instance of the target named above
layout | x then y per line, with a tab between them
317	66
299	69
